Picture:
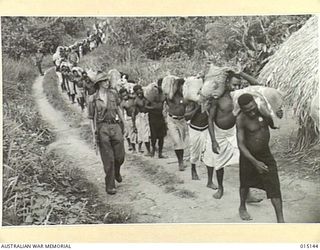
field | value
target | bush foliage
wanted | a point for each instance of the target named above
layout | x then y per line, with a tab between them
22	36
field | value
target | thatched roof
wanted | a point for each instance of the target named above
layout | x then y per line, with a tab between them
293	69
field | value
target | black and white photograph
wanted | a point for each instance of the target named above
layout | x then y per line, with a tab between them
160	119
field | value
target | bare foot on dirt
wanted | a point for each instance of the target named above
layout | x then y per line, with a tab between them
244	215
212	186
194	175
218	194
181	167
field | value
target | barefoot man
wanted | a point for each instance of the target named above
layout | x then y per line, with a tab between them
258	169
221	148
140	119
127	105
198	133
177	124
158	127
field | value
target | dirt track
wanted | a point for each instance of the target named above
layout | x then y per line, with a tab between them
156	192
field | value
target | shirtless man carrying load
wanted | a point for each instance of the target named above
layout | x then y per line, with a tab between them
198	133
177	124
140	119
221	148
258	169
127	105
158	127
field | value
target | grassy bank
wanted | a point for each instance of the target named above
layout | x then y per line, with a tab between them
40	188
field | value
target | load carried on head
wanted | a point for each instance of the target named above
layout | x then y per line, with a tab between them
191	89
215	82
269	100
214	85
151	91
170	85
114	76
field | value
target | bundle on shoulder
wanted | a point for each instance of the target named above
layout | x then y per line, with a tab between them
269	101
151	91
192	88
170	85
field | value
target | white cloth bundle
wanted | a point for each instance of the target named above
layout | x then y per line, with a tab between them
269	101
114	77
150	91
191	89
214	82
169	85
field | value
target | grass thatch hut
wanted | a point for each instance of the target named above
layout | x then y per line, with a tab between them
293	69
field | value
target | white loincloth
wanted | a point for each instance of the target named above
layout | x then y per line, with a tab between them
178	131
142	124
198	141
228	153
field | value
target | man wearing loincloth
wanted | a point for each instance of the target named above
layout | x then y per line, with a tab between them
258	169
177	124
198	133
158	127
221	147
140	119
127	106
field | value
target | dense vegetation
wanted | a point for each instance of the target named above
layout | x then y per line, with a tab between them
22	36
248	41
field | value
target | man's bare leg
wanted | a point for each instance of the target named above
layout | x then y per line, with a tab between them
219	193
133	147
140	147
244	215
179	154
147	144
277	204
194	174
160	145
129	144
153	146
210	176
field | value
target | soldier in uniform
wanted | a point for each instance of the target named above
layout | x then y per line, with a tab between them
107	128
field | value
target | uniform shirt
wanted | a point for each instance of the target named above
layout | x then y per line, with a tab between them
105	111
